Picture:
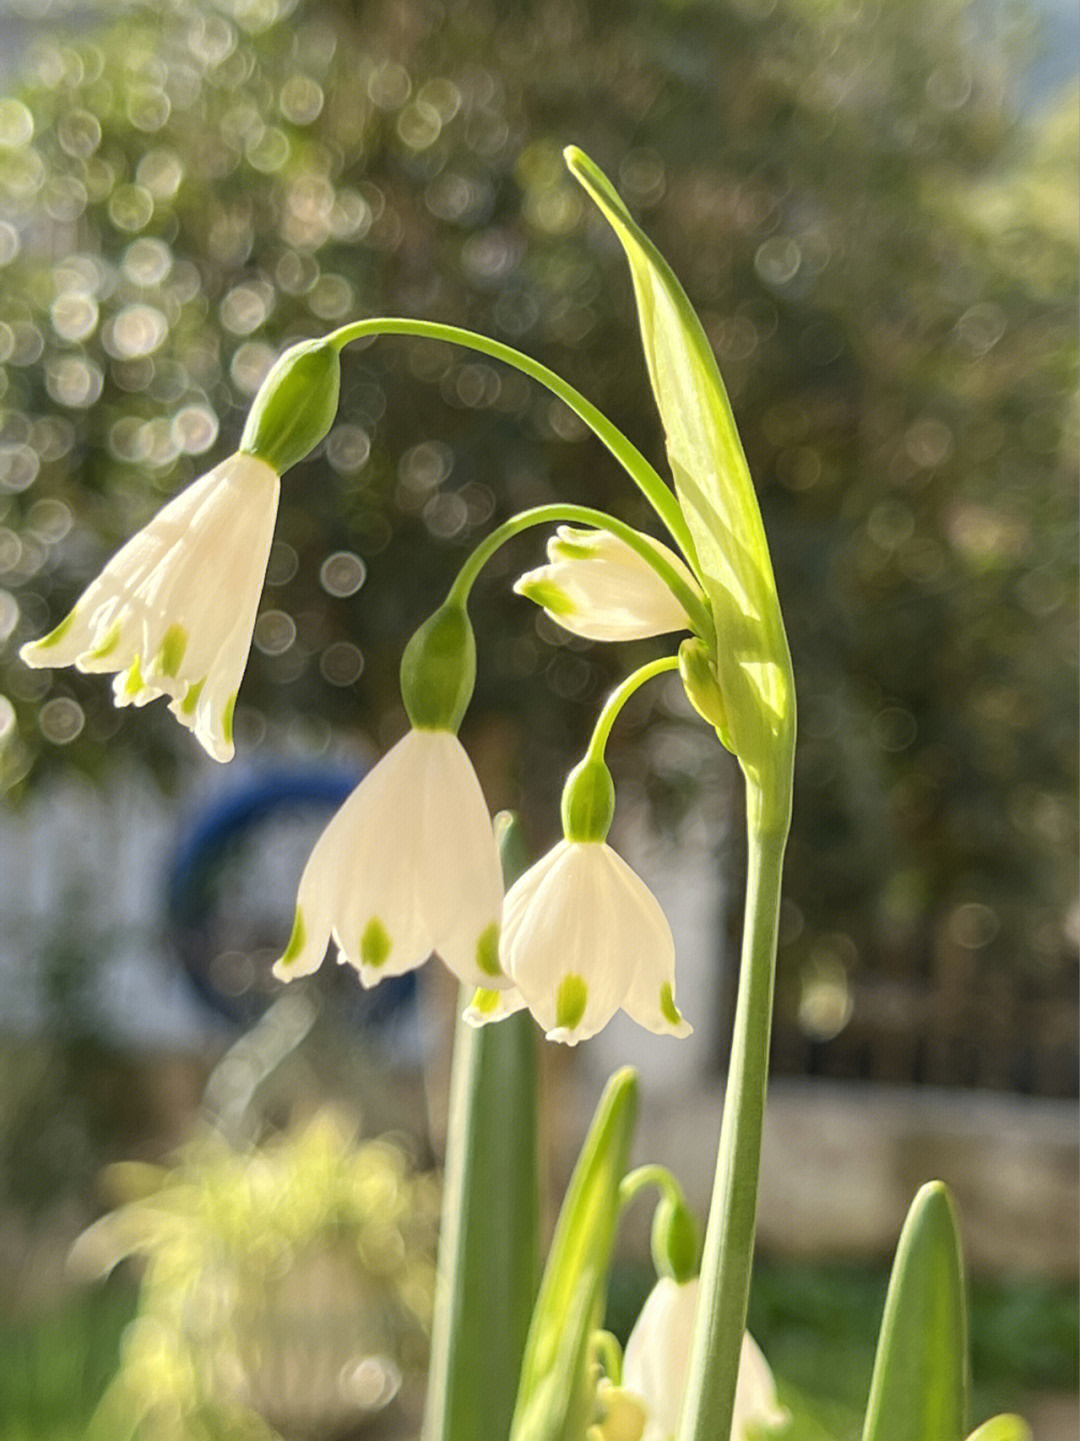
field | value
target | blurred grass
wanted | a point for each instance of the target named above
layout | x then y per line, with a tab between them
818	1327
816	1324
55	1366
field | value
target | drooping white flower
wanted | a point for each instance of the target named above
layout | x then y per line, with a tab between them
173	611
408	866
583	936
597	586
655	1367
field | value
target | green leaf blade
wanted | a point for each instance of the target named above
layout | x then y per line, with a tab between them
555	1398
919	1390
489	1244
712	481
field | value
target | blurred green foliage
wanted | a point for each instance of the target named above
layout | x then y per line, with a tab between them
883	252
285	1286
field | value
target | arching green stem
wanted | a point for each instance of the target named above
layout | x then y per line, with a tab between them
618	698
695	607
657	493
646	1176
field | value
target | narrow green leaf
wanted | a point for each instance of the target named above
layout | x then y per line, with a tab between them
489	1242
919	1390
713	485
555	1396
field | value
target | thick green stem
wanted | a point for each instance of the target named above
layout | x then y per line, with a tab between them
698	613
729	1239
489	1241
657	493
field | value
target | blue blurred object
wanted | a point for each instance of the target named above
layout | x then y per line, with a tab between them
230	972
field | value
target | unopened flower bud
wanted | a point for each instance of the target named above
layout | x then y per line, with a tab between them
676	1240
295	406
698	674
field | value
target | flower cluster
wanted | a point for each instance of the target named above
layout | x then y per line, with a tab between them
409	867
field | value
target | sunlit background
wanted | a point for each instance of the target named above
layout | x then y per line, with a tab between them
873	207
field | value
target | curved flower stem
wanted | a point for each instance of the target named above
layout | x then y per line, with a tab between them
696	609
651	1175
729	1239
618	698
645	477
609	1353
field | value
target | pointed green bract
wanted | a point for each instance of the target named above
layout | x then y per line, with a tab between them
919	1390
555	1397
715	492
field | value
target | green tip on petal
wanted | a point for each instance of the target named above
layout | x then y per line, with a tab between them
191	699
227	719
171	654
296	940
133	680
567	549
570	1002
56	636
108	643
668	1007
548	594
375	943
487	951
484	1002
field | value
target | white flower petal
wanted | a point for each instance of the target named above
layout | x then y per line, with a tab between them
409	865
597	586
657	1357
490	1005
582	936
173	612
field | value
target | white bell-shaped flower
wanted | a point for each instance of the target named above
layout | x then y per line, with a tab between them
173	611
583	936
597	586
408	866
655	1367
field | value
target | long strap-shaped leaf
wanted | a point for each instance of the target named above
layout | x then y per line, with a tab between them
489	1244
715	492
919	1390
556	1390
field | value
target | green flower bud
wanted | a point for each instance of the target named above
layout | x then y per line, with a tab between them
676	1240
438	670
698	674
295	405
588	802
